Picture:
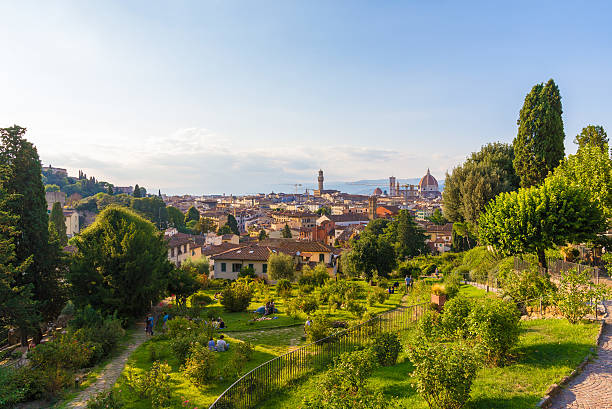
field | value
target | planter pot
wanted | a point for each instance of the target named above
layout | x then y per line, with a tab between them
439	300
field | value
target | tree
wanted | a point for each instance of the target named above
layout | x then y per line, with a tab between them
52	188
377	226
121	265
176	218
538	146
44	272
537	218
407	236
233	224
262	235
16	306
192	214
152	208
184	282
57	222
110	190
281	265
370	254
463	238
137	192
437	218
592	135
286	233
591	168
205	225
324	211
225	229
484	175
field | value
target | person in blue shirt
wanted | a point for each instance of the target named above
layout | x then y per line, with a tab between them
211	344
408	282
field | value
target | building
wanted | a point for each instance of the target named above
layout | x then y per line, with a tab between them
346	219
320	191
294	219
386	211
56	171
428	186
372	205
54	197
72	222
128	190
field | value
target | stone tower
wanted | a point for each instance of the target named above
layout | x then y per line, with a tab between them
372	207
392	191
320	180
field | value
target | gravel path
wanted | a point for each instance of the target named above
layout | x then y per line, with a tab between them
111	372
592	389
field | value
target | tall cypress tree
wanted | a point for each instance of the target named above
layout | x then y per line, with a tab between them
57	222
538	146
45	270
137	191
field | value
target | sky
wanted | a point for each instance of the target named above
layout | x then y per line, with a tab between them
238	97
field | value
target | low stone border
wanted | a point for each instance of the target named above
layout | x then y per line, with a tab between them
556	388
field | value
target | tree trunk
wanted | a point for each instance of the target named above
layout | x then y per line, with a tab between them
542	258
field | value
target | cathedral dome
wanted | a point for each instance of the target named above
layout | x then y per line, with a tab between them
378	191
428	183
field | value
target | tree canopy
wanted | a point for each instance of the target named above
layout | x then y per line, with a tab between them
286	233
592	135
121	264
57	222
192	214
406	236
281	265
233	224
538	146
484	175
176	218
534	219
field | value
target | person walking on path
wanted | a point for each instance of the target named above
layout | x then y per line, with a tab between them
408	282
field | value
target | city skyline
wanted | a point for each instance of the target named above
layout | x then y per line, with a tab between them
232	97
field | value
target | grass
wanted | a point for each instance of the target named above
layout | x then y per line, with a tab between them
547	351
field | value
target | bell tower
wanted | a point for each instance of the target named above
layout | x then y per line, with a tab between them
320	180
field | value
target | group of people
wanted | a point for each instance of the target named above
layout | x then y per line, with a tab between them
218	323
149	325
220	346
408	280
269	308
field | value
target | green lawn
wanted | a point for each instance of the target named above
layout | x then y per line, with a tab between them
547	351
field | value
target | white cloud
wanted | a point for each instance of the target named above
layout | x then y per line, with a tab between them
197	160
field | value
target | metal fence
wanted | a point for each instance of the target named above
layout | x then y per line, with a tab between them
556	267
281	371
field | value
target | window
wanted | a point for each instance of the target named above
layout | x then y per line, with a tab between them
321	258
252	267
265	268
236	267
172	252
223	267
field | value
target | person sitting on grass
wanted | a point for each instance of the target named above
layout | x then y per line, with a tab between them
221	323
211	344
222	346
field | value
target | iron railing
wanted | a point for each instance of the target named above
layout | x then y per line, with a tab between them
260	382
556	267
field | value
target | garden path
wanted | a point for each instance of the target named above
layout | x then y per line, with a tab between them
592	389
111	372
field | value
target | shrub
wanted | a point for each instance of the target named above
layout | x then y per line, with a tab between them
355	308
444	373
237	297
105	400
281	265
309	305
201	300
452	283
244	349
180	347
306	289
153	384
179	327
575	293
454	317
320	275
200	364
248	272
523	286
377	295
12	390
387	347
63	352
319	328
429	325
495	324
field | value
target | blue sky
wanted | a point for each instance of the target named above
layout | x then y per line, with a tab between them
232	97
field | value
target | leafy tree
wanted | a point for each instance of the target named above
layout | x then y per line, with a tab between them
205	225
176	218
369	255
16	306
591	168
377	226
324	211
137	192
281	265
233	224
437	218
202	266
57	222
286	233
472	185
52	188
44	272
406	236
537	218
192	214
183	283
262	235
538	147
151	208
225	229
110	190
121	264
592	135
463	237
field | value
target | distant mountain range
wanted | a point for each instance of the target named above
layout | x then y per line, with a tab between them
359	187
